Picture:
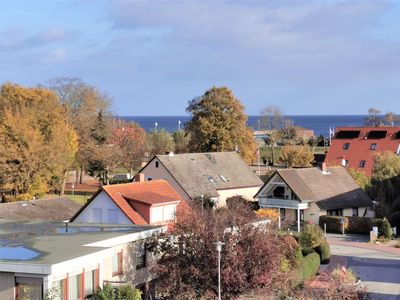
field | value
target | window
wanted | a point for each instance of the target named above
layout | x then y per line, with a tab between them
373	146
377	134
97	215
157	163
149	178
345	163
112	216
335	212
140	256
398	150
348	134
210	178
362	164
59	289
355	212
75	287
117	264
223	178
29	291
346	146
90	282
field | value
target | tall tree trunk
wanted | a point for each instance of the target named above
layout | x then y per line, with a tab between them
81	175
62	191
77	176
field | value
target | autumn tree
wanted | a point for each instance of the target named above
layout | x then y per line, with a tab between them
297	156
272	118
130	139
252	257
181	141
159	142
391	119
37	145
82	103
218	123
374	119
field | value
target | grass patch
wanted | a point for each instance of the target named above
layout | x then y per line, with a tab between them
81	199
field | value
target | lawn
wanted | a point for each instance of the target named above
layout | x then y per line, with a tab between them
81	199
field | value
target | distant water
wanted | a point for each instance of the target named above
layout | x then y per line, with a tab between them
320	124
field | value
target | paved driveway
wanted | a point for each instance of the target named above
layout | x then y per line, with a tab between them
377	266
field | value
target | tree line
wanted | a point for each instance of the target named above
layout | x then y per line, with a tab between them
65	125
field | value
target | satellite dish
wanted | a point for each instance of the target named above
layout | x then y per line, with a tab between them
344	162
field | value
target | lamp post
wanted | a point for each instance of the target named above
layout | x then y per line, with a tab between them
219	245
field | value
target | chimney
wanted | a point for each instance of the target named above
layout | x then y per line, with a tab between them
139	177
170	153
323	168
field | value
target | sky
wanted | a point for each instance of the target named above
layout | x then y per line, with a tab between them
152	57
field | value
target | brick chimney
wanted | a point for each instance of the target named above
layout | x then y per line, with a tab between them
139	177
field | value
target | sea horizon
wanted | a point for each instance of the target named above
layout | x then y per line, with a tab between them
319	123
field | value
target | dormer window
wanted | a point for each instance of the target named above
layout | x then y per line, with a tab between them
346	146
362	164
373	146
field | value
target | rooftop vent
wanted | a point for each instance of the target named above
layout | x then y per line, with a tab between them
377	134
210	158
348	134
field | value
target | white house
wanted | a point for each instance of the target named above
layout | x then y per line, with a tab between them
216	175
306	194
70	262
141	202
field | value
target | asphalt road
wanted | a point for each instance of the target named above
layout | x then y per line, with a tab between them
378	271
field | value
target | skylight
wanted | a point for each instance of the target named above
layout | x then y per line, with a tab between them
224	179
210	178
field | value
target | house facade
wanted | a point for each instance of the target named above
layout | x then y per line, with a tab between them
70	263
141	202
355	147
306	194
216	176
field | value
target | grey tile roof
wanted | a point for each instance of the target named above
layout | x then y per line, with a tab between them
205	173
58	209
335	190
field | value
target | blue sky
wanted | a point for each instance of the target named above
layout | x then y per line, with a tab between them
152	57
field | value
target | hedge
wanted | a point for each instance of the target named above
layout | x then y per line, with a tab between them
324	253
309	266
355	225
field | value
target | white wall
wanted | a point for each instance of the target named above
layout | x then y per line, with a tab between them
150	171
163	213
103	202
247	193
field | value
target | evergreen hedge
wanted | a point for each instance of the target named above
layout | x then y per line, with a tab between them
324	252
309	266
359	225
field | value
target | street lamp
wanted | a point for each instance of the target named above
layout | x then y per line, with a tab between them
219	245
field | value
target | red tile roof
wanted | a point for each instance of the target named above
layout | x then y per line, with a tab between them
155	192
359	148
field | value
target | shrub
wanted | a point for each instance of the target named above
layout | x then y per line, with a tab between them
356	225
324	252
333	223
306	251
268	213
311	236
385	229
309	266
344	276
123	292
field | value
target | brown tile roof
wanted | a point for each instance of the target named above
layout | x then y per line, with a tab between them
148	192
204	173
334	190
58	209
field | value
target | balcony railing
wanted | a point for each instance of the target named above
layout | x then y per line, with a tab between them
282	203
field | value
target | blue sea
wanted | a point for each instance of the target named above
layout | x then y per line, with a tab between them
320	124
